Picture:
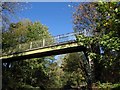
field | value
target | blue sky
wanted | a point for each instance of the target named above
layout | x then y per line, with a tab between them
56	15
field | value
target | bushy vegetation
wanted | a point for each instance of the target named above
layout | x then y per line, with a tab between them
101	23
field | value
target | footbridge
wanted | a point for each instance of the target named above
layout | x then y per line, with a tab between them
61	44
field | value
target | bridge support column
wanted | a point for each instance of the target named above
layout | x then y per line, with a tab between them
88	72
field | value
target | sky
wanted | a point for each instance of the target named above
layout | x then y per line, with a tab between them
57	16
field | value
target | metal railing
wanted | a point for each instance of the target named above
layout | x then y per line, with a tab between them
46	42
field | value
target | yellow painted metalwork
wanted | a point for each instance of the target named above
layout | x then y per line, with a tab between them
42	50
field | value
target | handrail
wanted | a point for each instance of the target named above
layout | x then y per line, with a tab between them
46	42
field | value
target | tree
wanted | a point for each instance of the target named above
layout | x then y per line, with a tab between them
109	39
8	10
28	73
104	44
23	33
84	18
74	69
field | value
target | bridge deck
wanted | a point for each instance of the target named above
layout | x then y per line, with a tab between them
60	44
45	51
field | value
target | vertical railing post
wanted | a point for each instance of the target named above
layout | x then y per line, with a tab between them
58	39
85	32
43	42
19	47
30	45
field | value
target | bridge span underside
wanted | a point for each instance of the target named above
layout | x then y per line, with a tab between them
45	51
